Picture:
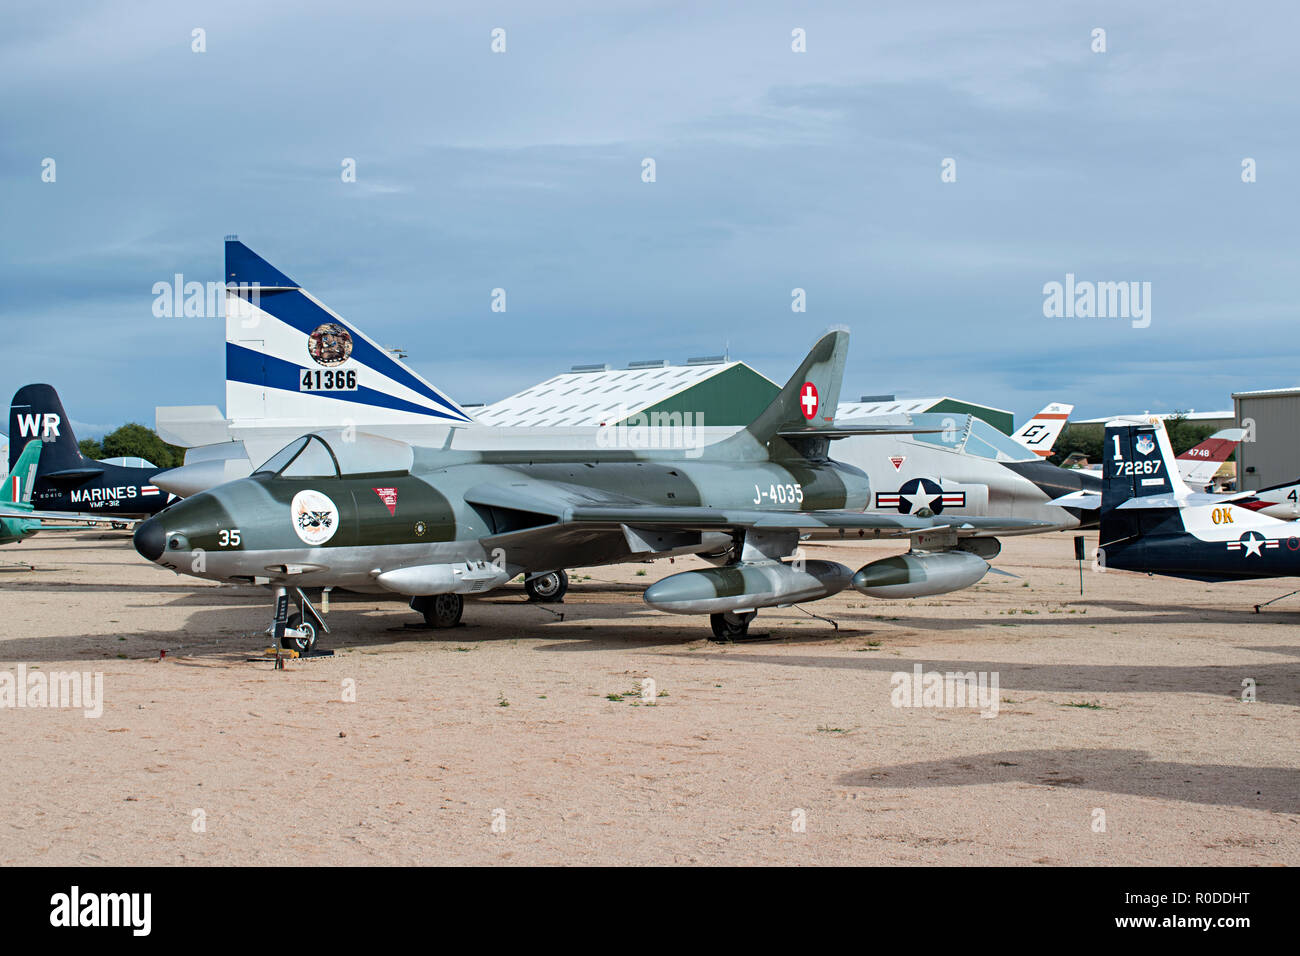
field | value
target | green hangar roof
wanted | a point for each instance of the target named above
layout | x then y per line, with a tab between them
716	391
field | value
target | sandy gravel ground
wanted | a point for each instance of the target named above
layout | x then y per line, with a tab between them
1125	702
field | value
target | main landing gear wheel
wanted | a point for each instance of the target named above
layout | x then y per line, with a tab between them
729	626
440	610
549	588
300	644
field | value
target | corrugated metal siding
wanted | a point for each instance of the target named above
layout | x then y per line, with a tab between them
1275	453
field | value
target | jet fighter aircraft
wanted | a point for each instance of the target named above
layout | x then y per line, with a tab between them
337	508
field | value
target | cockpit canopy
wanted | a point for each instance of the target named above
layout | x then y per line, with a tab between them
959	433
971	435
338	453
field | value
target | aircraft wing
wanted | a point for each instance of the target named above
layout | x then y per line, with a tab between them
62	516
713	519
570	507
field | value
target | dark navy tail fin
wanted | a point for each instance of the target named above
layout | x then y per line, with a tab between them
36	412
1137	462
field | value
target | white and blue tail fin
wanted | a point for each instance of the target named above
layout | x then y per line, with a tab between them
290	360
1039	434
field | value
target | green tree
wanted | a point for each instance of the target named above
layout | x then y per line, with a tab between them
91	448
1088	439
1084	440
1184	434
137	441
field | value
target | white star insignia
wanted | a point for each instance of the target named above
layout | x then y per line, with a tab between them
920	499
1252	543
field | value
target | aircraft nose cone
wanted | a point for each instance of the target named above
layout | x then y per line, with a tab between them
678	588
150	539
882	573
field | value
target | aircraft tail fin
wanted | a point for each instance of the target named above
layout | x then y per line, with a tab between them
1198	465
290	360
36	412
808	401
22	476
1039	434
1137	463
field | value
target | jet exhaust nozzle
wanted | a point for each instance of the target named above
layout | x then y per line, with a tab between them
739	587
919	574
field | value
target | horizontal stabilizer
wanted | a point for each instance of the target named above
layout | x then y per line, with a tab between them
1086	500
89	470
1172	501
850	431
11	512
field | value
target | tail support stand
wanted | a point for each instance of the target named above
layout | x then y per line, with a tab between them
543	607
818	616
1278	598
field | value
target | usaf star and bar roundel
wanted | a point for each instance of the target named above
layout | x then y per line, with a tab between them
920	494
1252	543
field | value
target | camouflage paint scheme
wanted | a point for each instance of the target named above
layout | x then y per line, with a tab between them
744	500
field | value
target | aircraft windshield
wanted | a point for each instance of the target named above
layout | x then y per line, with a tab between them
306	457
987	442
314	461
339	451
974	436
281	457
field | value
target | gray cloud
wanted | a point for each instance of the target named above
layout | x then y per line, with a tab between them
775	170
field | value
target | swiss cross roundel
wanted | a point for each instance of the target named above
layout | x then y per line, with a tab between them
808	400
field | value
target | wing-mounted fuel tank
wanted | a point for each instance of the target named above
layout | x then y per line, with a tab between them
921	573
461	577
747	586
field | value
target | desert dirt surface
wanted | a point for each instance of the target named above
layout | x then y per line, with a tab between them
1121	735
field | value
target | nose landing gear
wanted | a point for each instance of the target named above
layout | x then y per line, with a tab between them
296	632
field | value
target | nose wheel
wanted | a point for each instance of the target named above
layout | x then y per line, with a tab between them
297	631
306	634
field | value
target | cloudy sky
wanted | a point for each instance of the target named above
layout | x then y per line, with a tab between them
775	170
